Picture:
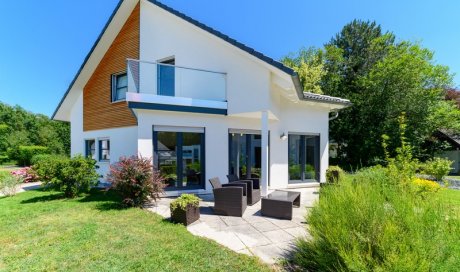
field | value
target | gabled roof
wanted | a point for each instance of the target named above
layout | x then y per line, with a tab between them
226	38
298	86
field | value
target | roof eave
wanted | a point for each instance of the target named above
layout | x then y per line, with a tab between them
82	66
300	93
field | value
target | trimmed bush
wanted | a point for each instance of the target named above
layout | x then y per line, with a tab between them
9	183
48	167
334	174
136	180
78	176
437	168
72	176
23	154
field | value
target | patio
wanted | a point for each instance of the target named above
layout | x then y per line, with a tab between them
253	234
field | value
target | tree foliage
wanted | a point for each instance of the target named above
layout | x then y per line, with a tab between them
309	65
19	127
383	78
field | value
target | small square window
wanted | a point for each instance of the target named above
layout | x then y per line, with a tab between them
104	150
90	148
119	87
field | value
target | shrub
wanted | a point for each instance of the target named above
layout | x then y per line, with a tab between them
78	176
184	200
334	174
9	183
437	168
423	186
48	167
366	225
4	159
375	221
72	176
136	180
23	154
27	174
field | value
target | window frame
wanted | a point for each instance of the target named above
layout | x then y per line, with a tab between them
303	154
114	88
179	131
101	149
92	155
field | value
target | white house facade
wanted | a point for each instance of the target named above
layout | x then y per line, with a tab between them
197	102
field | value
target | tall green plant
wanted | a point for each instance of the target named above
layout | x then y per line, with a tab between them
403	166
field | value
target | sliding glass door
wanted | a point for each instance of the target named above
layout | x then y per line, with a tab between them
180	158
304	158
245	154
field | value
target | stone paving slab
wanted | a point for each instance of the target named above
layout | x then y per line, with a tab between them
270	239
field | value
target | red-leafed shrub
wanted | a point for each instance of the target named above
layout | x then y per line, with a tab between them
136	180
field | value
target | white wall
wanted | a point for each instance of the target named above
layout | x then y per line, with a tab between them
453	155
249	89
123	141
296	118
164	35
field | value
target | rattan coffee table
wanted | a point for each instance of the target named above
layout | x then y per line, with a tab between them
279	204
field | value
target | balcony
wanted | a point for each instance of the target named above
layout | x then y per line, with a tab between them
162	86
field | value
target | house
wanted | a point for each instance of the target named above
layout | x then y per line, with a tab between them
453	152
201	104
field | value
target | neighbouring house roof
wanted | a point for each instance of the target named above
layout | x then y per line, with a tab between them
298	86
451	137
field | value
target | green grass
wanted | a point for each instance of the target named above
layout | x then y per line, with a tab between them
451	197
41	231
453	177
3	168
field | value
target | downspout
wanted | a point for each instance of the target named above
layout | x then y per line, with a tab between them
335	115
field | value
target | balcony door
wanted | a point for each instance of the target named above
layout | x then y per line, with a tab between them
245	156
304	158
179	156
166	78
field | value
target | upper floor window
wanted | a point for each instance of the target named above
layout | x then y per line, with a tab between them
119	87
104	150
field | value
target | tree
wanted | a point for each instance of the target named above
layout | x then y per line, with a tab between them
383	78
309	65
19	127
453	95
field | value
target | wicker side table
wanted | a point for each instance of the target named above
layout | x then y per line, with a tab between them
279	204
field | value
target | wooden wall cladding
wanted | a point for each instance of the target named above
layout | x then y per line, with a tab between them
98	110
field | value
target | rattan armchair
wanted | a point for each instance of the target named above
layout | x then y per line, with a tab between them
253	187
229	199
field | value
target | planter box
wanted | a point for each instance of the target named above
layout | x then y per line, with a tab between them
187	216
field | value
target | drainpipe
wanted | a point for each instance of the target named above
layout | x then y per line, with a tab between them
336	114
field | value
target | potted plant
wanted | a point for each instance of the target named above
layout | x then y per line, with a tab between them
185	209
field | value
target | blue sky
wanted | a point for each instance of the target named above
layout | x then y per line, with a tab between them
44	42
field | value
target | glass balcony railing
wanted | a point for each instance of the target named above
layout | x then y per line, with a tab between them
174	81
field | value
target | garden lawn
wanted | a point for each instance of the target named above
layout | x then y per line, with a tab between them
41	231
451	196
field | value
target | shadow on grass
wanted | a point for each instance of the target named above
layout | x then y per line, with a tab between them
43	198
109	200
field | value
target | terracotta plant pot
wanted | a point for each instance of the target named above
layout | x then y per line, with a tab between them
187	216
